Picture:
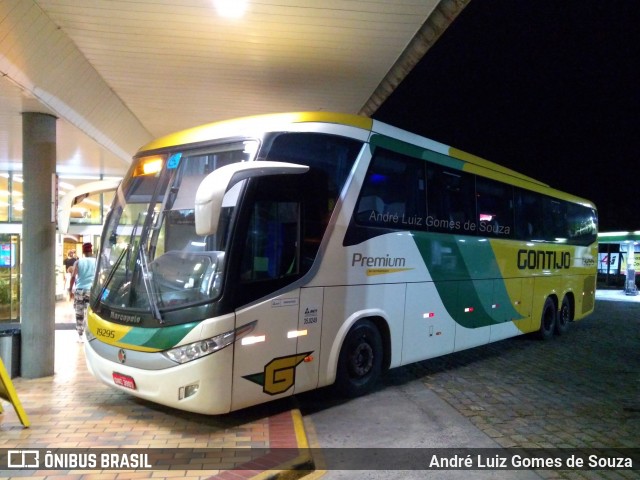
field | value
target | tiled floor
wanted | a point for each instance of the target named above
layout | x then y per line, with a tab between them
72	410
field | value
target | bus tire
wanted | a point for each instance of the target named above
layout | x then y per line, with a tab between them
564	317
548	319
360	360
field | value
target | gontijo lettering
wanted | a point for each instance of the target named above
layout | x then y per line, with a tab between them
543	259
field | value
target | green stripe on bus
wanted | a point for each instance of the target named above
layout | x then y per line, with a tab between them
158	338
471	302
415	151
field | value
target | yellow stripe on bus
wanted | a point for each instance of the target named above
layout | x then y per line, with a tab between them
258	123
112	333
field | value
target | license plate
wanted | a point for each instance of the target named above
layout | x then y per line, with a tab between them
124	380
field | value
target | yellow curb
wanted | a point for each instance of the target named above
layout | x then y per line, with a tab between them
300	466
318	460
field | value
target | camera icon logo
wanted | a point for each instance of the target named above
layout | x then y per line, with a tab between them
23	459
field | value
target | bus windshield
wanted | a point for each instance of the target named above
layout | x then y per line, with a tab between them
151	258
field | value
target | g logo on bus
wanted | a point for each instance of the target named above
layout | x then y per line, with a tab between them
279	374
122	356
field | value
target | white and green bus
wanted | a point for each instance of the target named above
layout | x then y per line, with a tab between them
248	260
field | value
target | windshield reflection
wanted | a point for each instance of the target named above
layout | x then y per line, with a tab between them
152	260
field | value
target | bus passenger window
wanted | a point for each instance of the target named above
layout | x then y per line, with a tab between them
393	194
555	220
494	208
369	208
451	203
582	224
528	215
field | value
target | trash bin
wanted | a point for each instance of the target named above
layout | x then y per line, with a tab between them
10	348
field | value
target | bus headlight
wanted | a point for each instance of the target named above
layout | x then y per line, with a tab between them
202	348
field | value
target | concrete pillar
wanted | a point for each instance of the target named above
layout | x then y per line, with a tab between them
38	245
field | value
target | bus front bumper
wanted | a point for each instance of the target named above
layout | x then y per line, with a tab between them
200	386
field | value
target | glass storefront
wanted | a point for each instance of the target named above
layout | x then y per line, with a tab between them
9	277
90	213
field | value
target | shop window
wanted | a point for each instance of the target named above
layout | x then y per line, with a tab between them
5	197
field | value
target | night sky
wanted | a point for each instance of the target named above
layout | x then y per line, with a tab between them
547	87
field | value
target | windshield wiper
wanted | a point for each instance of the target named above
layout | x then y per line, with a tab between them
131	237
109	277
147	281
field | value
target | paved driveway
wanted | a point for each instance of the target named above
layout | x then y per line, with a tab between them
580	390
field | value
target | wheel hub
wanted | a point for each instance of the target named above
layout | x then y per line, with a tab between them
362	359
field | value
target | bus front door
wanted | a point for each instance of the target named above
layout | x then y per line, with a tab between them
265	360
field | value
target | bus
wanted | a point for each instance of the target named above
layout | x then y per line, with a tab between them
253	259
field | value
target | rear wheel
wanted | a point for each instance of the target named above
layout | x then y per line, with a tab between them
564	317
360	361
547	320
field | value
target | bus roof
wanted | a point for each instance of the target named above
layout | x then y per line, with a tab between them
258	124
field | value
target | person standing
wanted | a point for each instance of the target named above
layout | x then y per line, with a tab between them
82	277
68	263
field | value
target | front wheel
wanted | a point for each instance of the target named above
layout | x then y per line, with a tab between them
547	320
360	361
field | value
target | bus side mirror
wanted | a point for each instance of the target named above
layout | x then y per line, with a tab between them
208	202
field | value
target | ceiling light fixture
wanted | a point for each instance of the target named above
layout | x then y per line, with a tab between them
231	8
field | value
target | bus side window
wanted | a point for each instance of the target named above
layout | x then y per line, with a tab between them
495	207
282	225
451	202
583	224
393	192
271	249
369	208
555	220
542	218
528	214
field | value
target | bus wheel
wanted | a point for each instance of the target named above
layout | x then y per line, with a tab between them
548	320
360	361
564	317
